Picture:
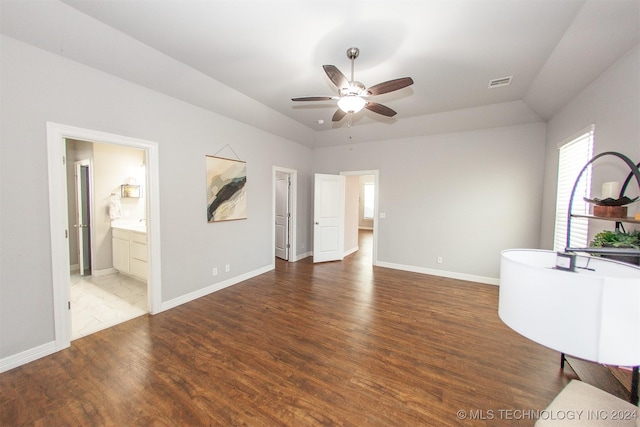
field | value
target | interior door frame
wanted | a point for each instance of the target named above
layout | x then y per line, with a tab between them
376	180
293	192
57	134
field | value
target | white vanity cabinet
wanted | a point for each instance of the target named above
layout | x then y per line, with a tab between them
120	244
138	255
130	252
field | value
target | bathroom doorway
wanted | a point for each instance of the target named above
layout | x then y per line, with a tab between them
58	137
104	292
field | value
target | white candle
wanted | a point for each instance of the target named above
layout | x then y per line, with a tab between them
610	190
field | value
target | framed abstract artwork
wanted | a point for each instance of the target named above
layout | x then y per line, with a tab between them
226	189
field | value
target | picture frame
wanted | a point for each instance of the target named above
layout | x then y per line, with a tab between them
130	191
226	189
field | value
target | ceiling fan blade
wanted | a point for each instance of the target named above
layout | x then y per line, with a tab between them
313	98
336	76
338	115
380	109
390	86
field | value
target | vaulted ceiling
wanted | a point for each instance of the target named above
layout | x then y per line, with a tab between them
264	52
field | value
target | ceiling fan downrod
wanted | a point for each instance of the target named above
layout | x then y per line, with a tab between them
352	54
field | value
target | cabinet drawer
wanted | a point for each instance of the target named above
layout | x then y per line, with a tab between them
138	251
120	234
139	269
139	237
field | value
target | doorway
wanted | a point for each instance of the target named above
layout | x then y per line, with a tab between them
57	137
285	183
361	212
338	205
104	293
83	216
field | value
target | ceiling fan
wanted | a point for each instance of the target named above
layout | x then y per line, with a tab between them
352	95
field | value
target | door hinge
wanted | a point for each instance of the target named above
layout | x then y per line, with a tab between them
64	160
69	303
288	246
66	234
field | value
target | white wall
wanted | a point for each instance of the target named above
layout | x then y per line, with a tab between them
612	103
462	196
37	87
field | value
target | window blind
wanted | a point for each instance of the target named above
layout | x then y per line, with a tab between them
572	157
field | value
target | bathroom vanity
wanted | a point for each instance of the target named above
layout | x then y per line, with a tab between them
129	243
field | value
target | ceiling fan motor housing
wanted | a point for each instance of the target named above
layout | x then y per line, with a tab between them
354	88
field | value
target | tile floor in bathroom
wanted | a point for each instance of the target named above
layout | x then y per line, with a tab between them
99	302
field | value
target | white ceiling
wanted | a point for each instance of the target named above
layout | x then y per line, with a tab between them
271	51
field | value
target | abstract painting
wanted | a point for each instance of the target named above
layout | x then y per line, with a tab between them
226	189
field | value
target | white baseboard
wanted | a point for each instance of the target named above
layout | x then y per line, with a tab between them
441	273
301	256
27	356
352	250
75	268
103	272
50	348
213	288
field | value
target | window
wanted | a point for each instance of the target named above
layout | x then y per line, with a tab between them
573	156
368	201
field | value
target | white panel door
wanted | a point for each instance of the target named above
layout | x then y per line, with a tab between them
282	216
328	218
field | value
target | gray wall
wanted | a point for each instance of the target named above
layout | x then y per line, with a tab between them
462	196
612	103
38	87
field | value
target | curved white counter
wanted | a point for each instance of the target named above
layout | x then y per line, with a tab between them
130	225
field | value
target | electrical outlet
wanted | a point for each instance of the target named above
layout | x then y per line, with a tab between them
227	268
439	260
215	271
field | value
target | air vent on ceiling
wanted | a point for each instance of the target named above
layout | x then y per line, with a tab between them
503	81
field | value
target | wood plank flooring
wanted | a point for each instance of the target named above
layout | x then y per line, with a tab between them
335	344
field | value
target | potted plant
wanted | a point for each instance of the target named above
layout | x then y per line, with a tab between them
618	239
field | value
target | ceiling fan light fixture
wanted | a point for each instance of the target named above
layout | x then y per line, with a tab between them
351	104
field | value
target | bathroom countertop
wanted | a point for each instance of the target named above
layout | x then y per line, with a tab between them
131	225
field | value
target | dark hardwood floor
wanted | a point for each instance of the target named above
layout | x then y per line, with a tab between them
340	343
